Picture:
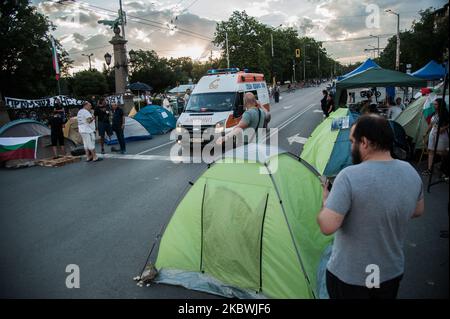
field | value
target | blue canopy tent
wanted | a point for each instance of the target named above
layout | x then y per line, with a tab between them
156	119
431	71
369	63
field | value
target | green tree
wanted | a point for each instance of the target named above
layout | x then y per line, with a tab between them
89	83
25	52
150	69
250	46
248	42
426	40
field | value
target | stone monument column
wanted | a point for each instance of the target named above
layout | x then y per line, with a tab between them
120	61
121	70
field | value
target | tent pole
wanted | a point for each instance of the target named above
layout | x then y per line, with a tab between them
430	184
201	230
418	129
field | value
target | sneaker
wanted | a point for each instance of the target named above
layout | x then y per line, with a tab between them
123	152
98	159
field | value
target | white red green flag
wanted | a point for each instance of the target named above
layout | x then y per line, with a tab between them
12	148
55	58
428	107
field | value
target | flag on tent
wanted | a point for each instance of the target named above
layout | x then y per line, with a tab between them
55	58
428	107
12	148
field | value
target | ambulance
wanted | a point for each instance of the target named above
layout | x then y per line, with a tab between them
216	104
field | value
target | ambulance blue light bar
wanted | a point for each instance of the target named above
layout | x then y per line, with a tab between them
223	71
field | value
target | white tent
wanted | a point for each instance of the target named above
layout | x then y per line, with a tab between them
133	131
182	88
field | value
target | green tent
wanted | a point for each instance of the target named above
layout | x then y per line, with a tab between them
413	122
247	229
376	77
324	148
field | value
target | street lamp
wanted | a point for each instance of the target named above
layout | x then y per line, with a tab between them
304	60
89	57
107	57
397	56
272	50
378	43
132	56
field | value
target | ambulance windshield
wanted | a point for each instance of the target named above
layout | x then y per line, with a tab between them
211	102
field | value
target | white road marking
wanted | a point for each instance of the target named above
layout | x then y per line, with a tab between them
317	111
287	107
289	121
155	148
174	159
297	139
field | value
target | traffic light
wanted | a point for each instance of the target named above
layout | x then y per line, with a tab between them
297	53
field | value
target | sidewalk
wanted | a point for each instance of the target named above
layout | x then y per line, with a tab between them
426	253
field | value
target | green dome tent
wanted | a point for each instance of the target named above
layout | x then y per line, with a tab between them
413	121
247	229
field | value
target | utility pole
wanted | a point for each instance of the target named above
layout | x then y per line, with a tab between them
273	52
89	57
271	44
304	62
378	43
397	55
318	61
293	70
211	59
228	53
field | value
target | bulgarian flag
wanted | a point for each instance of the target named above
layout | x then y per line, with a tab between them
55	58
12	148
428	107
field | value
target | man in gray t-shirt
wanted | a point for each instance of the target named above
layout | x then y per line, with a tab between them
253	119
368	208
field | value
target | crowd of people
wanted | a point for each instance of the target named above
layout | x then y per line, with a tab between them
358	221
104	118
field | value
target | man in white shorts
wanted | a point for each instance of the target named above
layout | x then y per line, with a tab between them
86	128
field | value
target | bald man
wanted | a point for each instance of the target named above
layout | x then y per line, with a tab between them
254	117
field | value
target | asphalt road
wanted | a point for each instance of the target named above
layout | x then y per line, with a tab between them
105	216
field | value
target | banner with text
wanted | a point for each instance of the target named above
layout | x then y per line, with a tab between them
41	103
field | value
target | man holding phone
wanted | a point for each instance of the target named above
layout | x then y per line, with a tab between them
86	128
369	215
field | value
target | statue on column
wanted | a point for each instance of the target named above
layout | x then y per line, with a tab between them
114	24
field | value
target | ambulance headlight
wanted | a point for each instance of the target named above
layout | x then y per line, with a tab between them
220	127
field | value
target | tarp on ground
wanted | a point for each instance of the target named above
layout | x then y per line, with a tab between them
369	63
156	119
431	71
133	131
247	230
377	77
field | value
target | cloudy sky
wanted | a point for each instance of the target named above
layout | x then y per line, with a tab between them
175	28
